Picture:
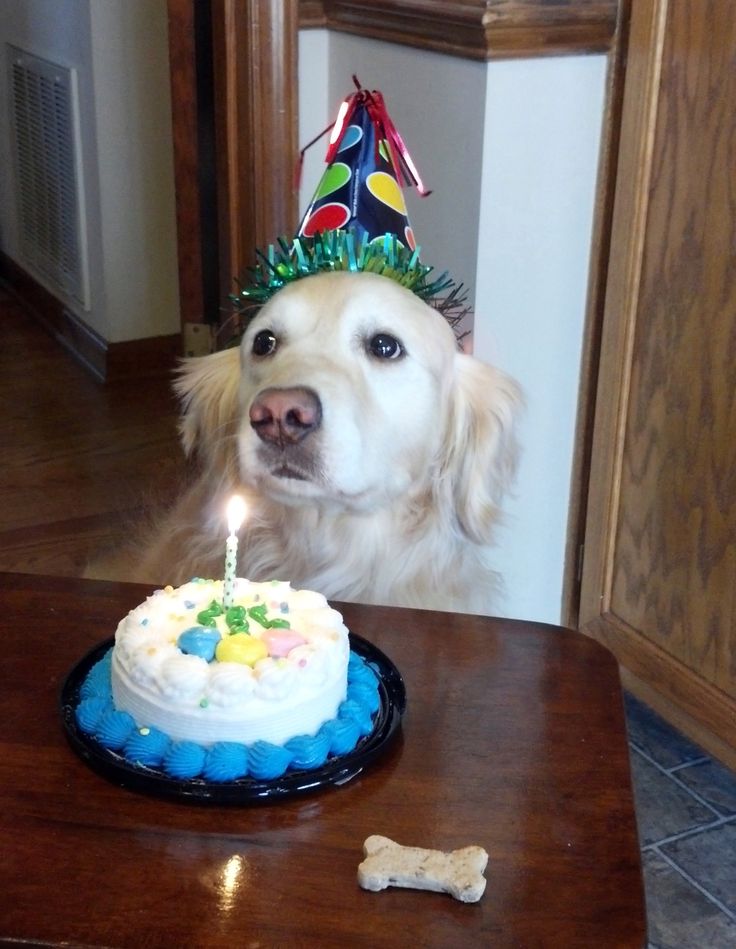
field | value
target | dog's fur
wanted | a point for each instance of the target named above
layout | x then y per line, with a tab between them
394	495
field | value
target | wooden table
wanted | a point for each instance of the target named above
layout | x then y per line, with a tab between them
513	739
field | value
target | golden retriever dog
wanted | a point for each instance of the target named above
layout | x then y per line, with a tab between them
372	454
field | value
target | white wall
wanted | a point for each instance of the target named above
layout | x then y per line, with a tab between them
133	113
542	134
510	150
120	51
315	108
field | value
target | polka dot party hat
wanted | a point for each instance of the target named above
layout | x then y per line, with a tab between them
361	187
357	221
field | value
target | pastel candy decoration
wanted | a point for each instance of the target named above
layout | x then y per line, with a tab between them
242	648
280	641
199	641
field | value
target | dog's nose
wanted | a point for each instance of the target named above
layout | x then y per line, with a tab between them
285	415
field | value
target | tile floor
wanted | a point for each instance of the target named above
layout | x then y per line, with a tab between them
686	811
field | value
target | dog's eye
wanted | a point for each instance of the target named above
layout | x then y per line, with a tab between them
264	343
385	347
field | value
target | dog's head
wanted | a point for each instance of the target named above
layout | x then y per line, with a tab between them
349	391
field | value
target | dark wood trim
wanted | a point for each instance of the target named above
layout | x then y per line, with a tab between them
312	14
184	113
107	362
696	707
591	348
87	346
681	702
256	123
143	358
474	29
234	111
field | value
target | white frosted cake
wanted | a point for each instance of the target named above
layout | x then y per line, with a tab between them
197	690
272	666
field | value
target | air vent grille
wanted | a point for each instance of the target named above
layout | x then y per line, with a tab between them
50	217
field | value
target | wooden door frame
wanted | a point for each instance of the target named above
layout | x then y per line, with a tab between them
234	90
600	263
691	702
628	233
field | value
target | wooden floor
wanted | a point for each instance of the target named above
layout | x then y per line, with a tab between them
81	461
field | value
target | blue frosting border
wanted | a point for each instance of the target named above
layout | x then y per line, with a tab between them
144	747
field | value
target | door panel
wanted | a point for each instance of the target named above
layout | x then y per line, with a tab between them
660	555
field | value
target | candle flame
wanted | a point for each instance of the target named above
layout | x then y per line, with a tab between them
236	510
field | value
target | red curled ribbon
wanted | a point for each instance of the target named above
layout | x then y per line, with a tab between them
385	131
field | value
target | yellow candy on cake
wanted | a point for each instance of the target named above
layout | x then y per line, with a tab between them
242	648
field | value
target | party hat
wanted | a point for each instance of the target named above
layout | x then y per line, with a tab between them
366	161
357	221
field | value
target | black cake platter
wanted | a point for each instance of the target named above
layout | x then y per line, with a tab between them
336	771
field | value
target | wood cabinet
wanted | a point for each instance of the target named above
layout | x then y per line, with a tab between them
659	570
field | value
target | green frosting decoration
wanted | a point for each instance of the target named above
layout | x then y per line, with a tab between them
258	613
235	617
207	616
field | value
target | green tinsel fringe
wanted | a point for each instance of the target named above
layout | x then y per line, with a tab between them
340	250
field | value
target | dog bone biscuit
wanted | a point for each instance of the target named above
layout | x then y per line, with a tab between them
459	873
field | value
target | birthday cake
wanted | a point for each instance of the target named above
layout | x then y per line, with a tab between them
197	690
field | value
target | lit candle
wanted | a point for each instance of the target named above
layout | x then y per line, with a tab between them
235	517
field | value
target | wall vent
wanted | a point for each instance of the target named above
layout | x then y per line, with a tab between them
44	121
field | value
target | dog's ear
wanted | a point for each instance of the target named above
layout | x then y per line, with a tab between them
208	389
480	450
